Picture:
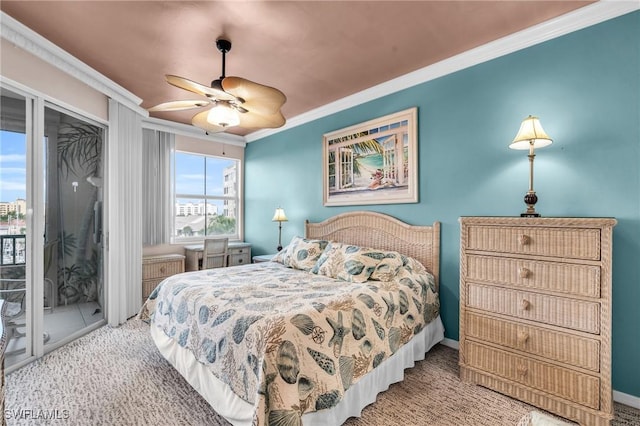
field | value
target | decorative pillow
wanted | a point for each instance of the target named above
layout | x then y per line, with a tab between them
388	266
347	262
301	253
413	265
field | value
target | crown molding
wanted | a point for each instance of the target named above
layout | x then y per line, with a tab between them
584	17
32	42
191	131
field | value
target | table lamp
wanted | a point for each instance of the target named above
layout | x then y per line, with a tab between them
279	217
530	136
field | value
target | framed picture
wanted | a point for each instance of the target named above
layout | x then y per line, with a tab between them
372	163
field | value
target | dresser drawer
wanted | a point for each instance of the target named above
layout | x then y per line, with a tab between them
162	268
581	280
561	311
239	255
562	382
572	243
239	259
562	347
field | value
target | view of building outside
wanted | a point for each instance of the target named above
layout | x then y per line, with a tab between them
206	195
13	194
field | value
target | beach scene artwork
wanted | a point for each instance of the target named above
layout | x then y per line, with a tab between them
373	162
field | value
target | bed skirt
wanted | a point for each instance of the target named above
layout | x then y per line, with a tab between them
240	413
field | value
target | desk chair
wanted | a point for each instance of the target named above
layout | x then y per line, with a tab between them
215	253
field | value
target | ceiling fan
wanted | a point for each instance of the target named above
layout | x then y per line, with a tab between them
234	101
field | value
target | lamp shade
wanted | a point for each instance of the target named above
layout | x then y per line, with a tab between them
531	134
223	115
279	216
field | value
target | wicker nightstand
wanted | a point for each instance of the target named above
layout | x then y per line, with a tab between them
157	268
535	312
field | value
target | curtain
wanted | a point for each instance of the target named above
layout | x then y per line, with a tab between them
124	214
157	201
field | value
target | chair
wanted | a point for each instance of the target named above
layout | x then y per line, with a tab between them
13	290
215	253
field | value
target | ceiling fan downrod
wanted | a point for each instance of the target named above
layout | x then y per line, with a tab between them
223	46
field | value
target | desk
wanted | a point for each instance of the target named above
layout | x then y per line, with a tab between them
239	254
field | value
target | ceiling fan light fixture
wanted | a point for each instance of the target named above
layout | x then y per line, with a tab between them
223	115
234	101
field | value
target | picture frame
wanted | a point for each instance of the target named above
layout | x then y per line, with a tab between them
375	162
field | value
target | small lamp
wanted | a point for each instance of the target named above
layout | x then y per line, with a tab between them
530	136
279	217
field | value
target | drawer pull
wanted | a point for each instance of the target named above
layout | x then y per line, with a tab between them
524	240
522	370
523	337
240	260
524	272
163	269
525	305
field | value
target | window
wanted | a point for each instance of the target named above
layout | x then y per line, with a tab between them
207	200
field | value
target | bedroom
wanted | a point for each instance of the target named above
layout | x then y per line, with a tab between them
586	94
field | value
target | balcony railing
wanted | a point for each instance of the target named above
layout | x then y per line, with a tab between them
14	249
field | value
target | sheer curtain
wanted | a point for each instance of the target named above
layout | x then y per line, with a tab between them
157	201
124	238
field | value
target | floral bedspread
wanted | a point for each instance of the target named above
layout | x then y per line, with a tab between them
289	341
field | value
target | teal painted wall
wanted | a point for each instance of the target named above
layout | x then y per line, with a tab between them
585	87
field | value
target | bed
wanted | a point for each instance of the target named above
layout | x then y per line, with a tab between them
313	336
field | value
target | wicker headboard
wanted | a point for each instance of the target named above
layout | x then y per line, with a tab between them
377	230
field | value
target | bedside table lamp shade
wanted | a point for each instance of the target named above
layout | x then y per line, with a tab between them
279	217
530	136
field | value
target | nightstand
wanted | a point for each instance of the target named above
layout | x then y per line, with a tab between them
157	268
264	258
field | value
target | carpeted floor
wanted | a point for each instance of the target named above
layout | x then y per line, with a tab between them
116	376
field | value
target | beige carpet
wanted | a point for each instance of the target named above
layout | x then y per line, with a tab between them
116	376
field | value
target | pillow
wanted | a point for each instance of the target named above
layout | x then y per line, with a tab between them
347	262
413	265
301	253
388	266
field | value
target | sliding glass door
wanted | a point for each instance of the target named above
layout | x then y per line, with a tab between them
51	237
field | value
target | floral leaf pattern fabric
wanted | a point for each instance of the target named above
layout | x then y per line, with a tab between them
347	262
388	266
285	340
301	253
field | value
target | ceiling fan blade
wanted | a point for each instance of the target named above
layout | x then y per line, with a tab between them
200	120
257	97
254	120
192	86
180	105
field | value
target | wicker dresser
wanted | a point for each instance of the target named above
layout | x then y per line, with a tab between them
157	268
535	312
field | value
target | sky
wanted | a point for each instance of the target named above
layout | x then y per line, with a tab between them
190	172
13	166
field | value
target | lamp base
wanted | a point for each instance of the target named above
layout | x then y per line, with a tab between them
530	199
279	248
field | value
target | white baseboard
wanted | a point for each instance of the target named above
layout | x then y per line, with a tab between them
451	343
621	397
626	399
